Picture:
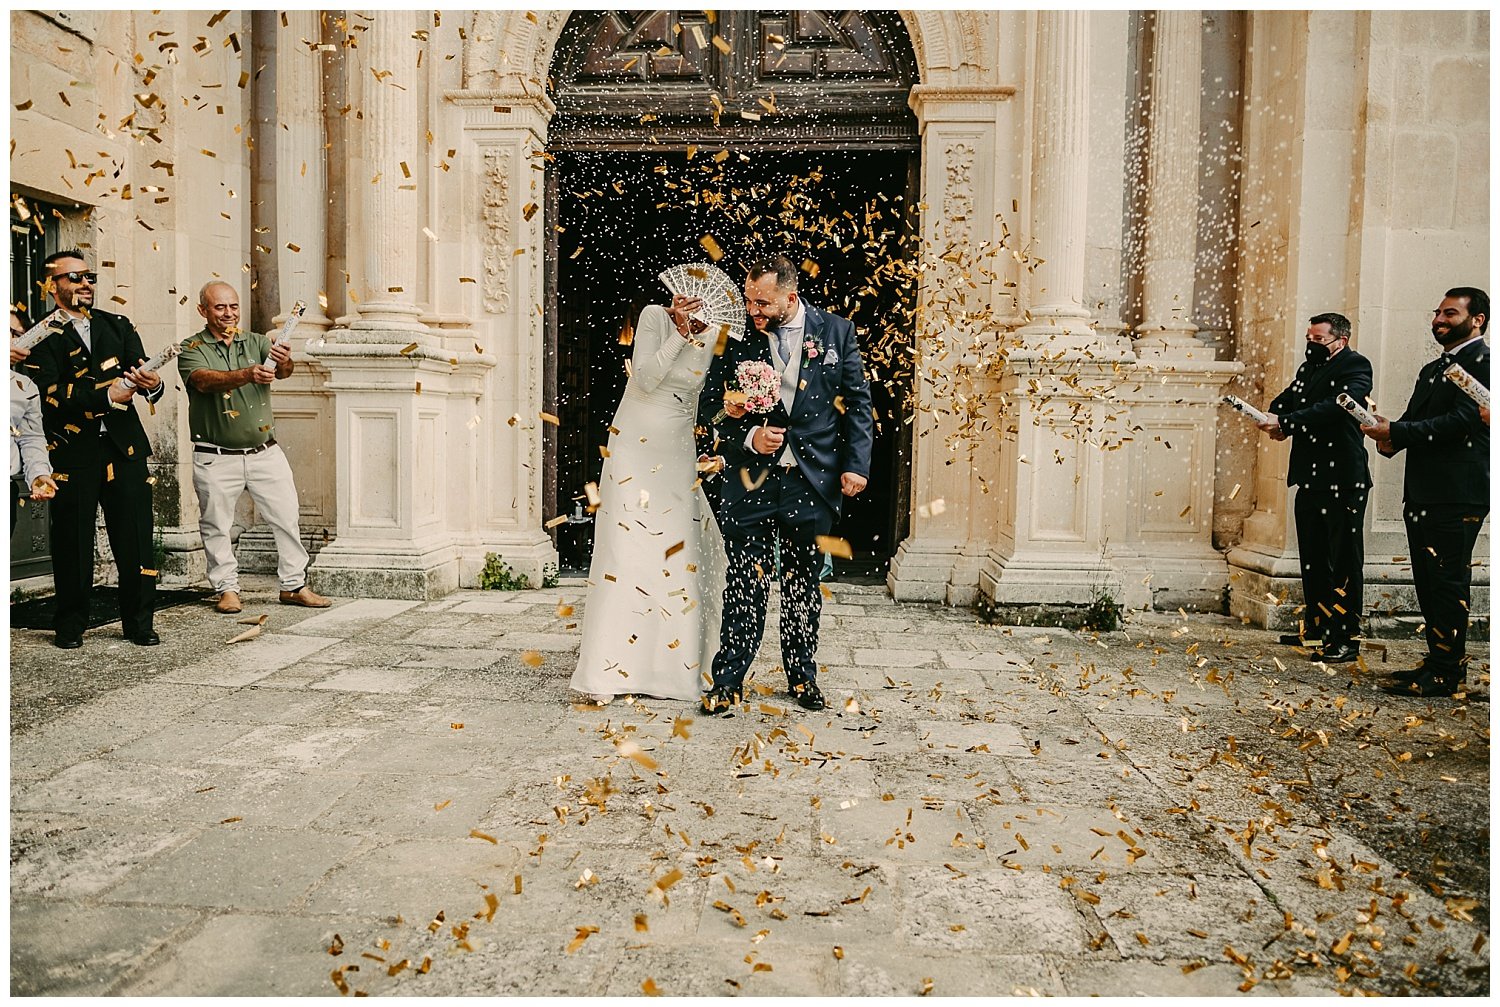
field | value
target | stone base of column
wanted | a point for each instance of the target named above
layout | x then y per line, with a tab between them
1044	578
1158	343
256	550
922	568
409	570
1194	583
1053	334
529	553
1265	589
183	563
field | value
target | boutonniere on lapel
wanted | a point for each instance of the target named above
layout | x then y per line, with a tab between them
811	351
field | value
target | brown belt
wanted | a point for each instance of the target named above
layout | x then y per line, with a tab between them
210	449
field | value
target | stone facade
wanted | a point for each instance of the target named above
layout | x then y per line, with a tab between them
1175	194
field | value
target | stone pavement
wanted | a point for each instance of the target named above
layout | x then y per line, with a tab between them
399	797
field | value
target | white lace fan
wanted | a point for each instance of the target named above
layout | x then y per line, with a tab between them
723	306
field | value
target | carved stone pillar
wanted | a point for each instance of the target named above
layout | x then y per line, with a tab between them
408	442
301	172
387	311
304	406
1059	183
1171	219
502	130
966	174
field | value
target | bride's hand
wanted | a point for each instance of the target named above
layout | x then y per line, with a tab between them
681	309
735	410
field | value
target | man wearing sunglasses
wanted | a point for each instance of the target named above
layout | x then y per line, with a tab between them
98	451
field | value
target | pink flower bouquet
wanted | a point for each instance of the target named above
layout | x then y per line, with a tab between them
759	388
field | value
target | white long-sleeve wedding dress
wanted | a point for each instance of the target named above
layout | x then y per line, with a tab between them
656	581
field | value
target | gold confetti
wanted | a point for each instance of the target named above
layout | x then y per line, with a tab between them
649	986
532	659
834	546
711	247
583	934
476	834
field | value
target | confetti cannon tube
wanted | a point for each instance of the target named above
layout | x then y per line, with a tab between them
156	363
1359	412
1468	384
1246	408
41	330
285	335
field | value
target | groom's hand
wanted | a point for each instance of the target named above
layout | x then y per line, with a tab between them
853	484
768	440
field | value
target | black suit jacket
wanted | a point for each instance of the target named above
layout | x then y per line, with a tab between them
1328	451
831	428
74	385
1446	441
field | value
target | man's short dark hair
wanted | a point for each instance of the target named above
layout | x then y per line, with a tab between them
1479	303
786	273
63	253
1336	322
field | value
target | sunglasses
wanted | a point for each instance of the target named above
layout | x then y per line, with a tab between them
90	277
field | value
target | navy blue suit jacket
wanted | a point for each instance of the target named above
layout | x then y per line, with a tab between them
1447	444
831	427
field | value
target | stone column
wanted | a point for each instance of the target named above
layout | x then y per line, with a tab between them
407	447
1059	183
1171	220
301	172
387	311
967	174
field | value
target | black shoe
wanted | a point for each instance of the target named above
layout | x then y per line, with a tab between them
1339	653
146	639
1429	686
809	696
1293	640
720	702
67	642
1407	675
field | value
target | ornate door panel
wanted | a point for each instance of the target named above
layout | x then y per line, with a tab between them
748	78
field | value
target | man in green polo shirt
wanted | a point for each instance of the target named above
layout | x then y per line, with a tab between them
228	375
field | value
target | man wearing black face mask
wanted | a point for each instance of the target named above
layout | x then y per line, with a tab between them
1447	493
1330	468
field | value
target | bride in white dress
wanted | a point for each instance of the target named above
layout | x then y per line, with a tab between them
656	581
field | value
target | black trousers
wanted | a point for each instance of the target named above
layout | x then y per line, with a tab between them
1441	538
1331	543
751	546
118	484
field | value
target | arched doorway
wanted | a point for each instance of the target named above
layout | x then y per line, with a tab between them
762	132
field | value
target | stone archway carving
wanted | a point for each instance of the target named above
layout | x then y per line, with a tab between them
502	44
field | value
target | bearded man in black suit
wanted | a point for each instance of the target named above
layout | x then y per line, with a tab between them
98	450
785	475
1447	491
1331	470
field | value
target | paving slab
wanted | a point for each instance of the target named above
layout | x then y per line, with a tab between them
252	661
225	955
234	866
69	949
67	856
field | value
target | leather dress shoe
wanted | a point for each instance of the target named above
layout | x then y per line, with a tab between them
229	603
67	642
1293	640
305	597
1339	653
809	696
146	639
1406	675
1425	688
721	702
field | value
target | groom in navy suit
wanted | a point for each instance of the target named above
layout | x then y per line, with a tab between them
785	475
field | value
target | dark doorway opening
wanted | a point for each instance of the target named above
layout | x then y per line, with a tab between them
621	217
